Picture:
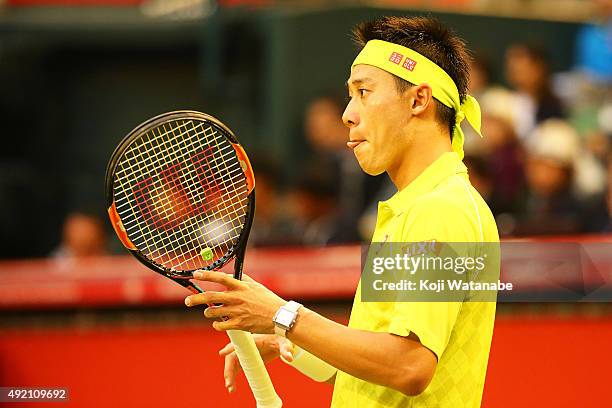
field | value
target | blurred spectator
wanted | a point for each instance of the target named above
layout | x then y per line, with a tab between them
82	236
528	72
495	162
553	204
323	125
327	137
506	163
503	150
480	75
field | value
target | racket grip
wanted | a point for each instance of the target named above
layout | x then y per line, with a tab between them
254	369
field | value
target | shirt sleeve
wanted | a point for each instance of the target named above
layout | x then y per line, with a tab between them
432	322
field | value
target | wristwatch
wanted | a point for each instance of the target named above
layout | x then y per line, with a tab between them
285	317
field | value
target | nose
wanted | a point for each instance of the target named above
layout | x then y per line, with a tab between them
350	117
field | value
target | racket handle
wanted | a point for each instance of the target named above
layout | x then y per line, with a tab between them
254	369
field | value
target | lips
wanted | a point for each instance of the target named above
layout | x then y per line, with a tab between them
354	143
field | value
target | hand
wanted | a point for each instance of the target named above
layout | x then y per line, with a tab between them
247	305
270	346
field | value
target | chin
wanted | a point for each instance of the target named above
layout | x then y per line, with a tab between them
371	168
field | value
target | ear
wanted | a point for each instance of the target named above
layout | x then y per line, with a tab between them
422	98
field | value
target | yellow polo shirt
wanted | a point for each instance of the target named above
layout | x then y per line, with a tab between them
440	204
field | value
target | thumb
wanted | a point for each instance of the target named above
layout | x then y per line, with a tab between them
227	349
286	350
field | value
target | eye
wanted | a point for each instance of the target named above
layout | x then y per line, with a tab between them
360	91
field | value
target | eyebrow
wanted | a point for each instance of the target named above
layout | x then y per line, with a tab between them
357	81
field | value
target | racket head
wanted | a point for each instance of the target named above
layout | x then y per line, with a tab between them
180	194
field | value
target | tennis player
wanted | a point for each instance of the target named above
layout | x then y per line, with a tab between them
407	91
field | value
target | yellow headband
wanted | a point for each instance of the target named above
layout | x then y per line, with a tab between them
417	69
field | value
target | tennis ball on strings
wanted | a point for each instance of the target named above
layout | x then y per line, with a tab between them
206	254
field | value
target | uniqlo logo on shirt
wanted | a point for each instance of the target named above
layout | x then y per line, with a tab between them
409	64
396	58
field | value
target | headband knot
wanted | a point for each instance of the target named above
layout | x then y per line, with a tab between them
417	69
459	117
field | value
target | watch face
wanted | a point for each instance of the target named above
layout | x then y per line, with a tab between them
285	317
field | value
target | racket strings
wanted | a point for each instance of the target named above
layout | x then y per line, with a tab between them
228	211
172	260
179	189
161	193
142	158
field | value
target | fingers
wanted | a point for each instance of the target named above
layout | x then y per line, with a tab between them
207	298
217	312
232	366
224	279
224	325
227	349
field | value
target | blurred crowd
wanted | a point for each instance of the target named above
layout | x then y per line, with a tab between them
544	165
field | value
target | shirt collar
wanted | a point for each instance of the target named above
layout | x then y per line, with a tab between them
445	166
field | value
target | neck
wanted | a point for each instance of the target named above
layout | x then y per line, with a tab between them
427	147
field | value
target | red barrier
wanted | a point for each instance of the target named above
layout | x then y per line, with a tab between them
305	273
541	362
302	273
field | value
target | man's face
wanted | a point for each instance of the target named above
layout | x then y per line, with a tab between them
323	126
523	72
377	116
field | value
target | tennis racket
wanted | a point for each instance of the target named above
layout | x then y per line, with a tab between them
180	196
